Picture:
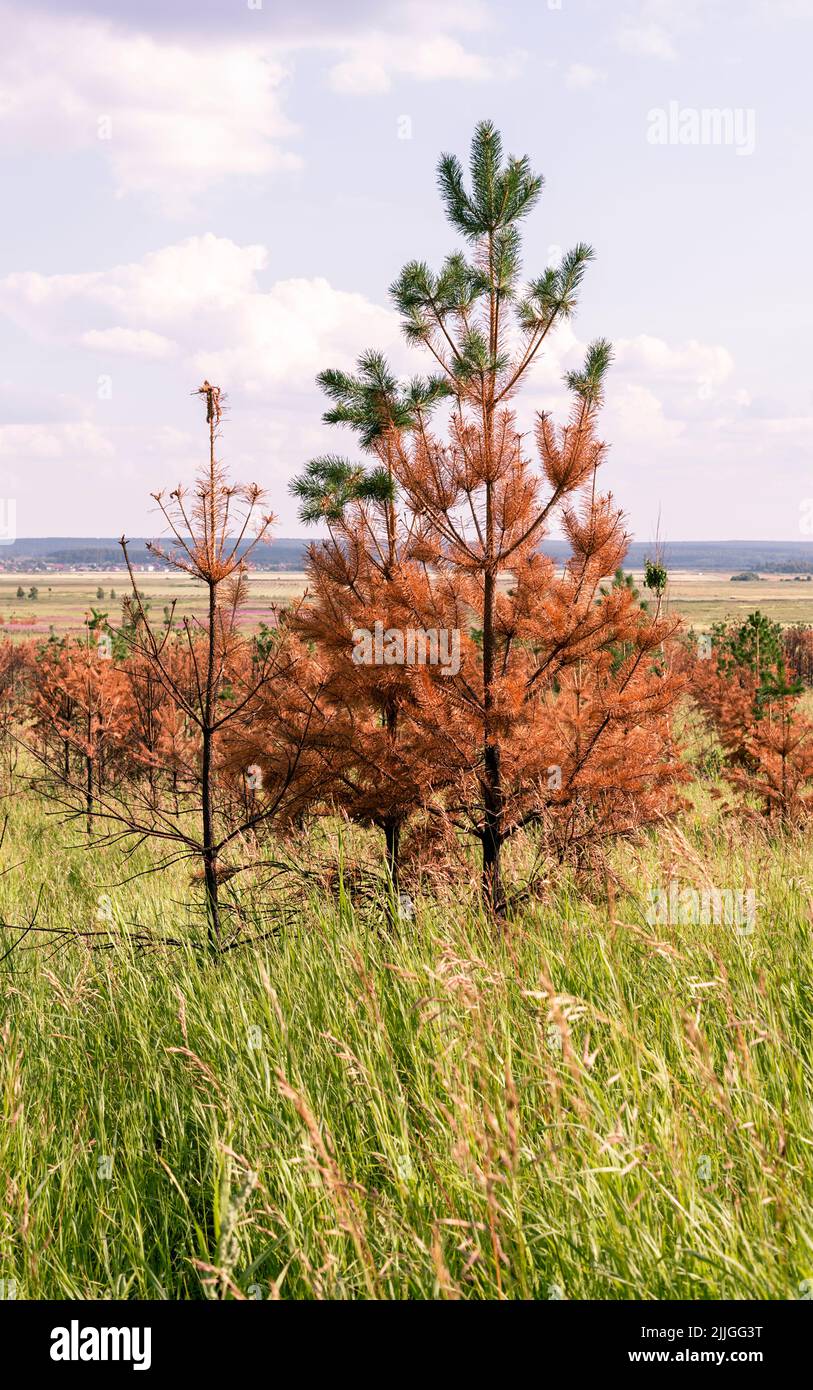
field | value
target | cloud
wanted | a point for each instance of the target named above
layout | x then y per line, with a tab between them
654	29
40	462
647	41
205	275
208	306
684	378
170	117
201	300
580	76
175	111
296	20
288	334
636	415
132	342
705	365
78	477
679	426
34	441
375	62
198	308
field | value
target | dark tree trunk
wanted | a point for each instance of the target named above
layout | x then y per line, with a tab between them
492	839
392	835
209	852
89	793
493	892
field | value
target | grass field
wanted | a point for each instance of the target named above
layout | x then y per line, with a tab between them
584	1106
64	599
711	598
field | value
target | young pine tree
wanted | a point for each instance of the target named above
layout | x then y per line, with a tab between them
753	703
482	508
76	715
216	683
189	688
361	577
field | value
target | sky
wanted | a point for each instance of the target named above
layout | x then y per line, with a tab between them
226	189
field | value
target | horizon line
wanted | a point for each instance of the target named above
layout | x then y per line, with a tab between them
636	540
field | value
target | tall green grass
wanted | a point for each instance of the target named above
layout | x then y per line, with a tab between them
584	1106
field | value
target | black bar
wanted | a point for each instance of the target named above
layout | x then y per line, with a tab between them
338	1338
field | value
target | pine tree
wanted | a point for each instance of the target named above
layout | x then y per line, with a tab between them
797	643
753	703
76	712
358	579
185	695
17	664
208	542
482	511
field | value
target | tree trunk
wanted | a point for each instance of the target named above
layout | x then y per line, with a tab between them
392	826
209	854
392	835
89	792
493	892
492	838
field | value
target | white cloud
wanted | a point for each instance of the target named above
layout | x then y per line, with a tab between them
580	77
703	364
170	117
647	41
374	63
201	300
636	415
656	27
72	440
206	274
200	307
132	342
79	478
297	328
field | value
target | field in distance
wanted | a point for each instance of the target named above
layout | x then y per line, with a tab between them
63	600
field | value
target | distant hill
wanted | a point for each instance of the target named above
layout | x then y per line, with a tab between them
762	557
104	552
288	553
